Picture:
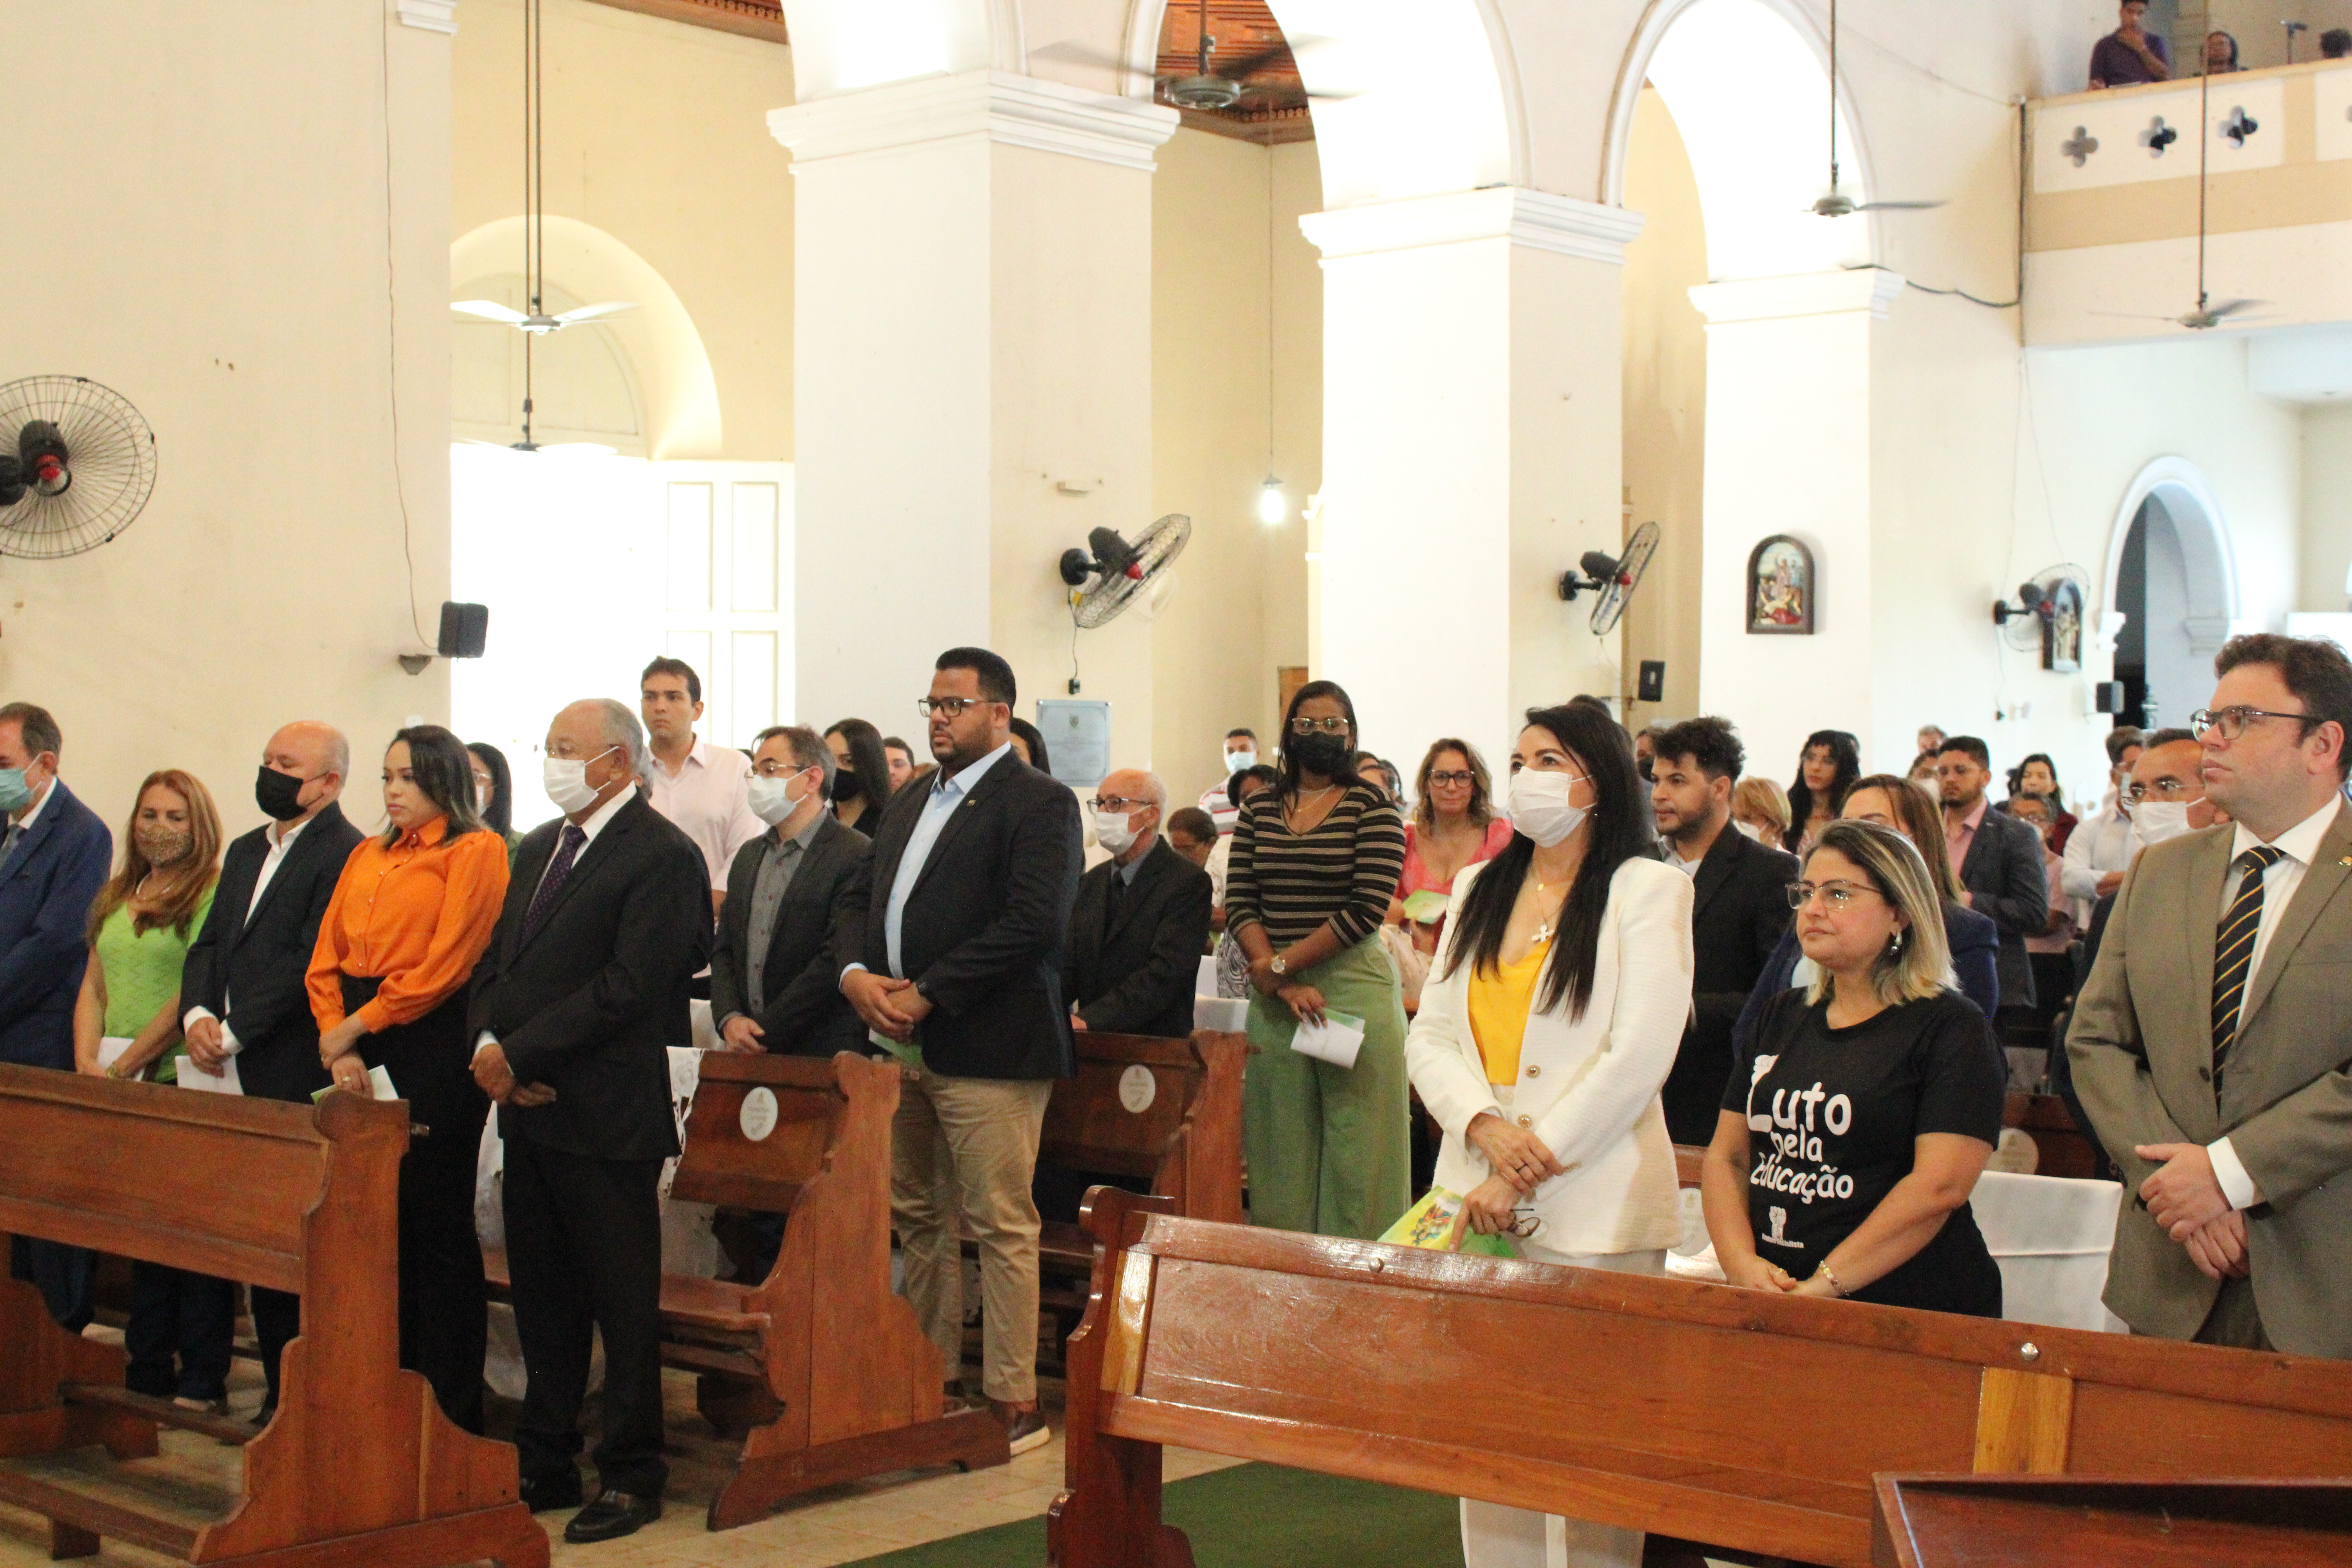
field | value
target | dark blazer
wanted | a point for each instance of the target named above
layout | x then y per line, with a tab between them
987	927
46	885
1138	977
1739	912
1975	942
2006	879
590	1001
806	1014
260	959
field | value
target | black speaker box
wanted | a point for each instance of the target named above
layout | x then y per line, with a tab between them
465	629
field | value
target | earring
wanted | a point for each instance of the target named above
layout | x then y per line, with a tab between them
1896	944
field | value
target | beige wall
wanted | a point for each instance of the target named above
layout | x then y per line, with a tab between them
2327	508
1225	230
211	242
655	133
1666	406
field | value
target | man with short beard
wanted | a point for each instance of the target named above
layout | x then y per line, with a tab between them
1741	908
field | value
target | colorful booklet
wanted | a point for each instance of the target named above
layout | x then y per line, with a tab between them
1430	1222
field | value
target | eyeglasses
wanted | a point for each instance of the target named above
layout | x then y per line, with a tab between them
2230	722
1464	779
946	707
768	768
1334	726
1839	895
2162	789
1113	803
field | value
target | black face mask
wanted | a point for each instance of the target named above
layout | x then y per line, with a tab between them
1320	752
846	784
1648	769
279	795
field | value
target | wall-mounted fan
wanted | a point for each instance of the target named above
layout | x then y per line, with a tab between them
1121	572
77	464
1613	577
2040	600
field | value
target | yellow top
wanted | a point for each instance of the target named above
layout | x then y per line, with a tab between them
1500	1000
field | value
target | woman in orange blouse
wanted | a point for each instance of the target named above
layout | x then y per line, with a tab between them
412	914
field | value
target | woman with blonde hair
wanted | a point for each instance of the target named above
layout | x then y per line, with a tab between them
1760	809
140	924
1454	825
1857	1121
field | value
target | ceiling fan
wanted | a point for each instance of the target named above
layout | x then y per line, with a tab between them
536	322
1206	89
1835	203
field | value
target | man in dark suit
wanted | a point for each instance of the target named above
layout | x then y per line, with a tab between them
585	984
775	977
1997	858
53	856
962	917
1142	919
242	990
1740	908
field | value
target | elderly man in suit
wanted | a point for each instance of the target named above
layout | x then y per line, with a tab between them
1142	919
586	982
964	914
54	856
1997	858
242	987
1740	890
2211	1045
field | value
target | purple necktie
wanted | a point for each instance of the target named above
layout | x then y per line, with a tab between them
558	871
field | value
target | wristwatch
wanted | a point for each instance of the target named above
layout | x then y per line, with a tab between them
1277	965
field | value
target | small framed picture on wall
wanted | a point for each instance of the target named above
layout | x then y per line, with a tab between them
1781	587
2062	628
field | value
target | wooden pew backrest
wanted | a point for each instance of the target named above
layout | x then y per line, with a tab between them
1722	1416
793	1104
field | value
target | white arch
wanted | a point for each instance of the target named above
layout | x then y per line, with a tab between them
1396	58
681	394
2187	498
1744	80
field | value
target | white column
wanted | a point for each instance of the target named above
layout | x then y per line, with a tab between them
1471	453
971	384
1789	451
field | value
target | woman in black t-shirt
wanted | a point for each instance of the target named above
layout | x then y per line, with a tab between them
1858	1118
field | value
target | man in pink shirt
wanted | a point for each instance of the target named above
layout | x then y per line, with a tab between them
704	789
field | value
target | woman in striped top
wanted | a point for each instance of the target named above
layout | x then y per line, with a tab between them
1314	863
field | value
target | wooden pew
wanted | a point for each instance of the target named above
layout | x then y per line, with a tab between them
1981	1522
2063	1148
1749	1422
360	1464
1163	1110
828	1369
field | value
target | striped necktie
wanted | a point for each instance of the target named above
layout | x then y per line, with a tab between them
2234	951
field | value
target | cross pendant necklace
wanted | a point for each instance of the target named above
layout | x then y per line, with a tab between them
1543	932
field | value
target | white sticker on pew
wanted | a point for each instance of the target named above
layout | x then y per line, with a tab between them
758	1116
1138	1089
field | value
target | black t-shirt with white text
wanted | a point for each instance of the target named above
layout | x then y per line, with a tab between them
1831	1116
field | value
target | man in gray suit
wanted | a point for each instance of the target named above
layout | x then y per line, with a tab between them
1997	860
2211	1045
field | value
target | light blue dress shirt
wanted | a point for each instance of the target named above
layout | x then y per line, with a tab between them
946	795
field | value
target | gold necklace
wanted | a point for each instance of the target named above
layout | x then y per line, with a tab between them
1290	812
1544	930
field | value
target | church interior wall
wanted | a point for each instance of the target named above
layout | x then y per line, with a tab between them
216	243
2325	580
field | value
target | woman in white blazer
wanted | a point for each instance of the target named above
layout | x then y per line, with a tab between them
1545	1032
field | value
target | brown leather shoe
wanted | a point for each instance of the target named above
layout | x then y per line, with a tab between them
1024	1428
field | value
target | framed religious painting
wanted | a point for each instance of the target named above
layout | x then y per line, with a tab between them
2062	628
1780	587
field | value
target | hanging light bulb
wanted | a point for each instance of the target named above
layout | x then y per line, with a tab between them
1272	506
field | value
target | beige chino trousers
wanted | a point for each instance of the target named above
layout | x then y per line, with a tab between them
963	1151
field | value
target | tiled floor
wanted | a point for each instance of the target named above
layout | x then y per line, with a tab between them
840	1525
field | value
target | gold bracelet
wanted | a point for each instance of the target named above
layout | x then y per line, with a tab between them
1836	1289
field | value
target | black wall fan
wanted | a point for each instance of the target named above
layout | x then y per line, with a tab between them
1614	578
77	465
1120	572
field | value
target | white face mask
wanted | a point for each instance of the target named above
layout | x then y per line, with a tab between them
566	779
2154	821
1748	829
772	799
1239	763
1112	832
1540	808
